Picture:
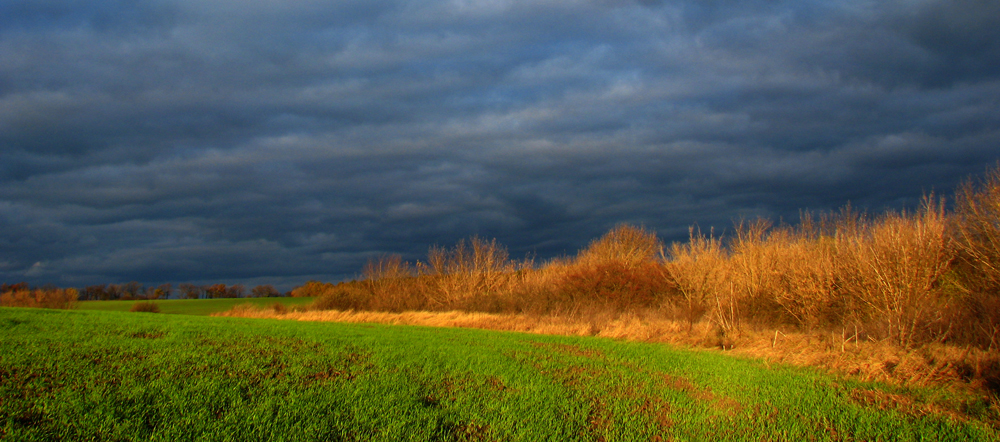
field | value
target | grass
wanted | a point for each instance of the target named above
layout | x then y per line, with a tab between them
92	375
968	372
200	307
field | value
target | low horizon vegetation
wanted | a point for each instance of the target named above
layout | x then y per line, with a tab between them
49	296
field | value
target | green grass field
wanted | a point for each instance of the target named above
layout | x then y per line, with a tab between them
202	307
98	375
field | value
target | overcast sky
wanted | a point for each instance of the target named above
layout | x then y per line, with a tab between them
267	141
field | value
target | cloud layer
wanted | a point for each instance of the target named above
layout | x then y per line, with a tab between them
275	142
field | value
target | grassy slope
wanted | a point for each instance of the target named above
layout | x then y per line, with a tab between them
128	376
192	306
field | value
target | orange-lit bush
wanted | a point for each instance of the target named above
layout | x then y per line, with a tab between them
976	276
44	298
617	285
696	269
145	307
312	289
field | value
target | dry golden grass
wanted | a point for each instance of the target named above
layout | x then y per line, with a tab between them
553	325
841	352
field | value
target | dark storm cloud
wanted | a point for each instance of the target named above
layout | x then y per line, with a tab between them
274	142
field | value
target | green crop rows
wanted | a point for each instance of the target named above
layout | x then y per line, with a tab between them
194	306
93	375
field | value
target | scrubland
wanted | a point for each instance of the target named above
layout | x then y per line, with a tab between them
903	296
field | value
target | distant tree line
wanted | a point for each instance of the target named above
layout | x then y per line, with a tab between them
23	295
48	296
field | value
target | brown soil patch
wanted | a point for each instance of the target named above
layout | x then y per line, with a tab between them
659	410
496	384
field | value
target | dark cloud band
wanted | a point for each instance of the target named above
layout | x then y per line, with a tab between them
173	141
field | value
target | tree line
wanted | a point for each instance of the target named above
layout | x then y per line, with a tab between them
22	294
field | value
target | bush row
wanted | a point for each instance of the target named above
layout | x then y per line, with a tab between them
930	275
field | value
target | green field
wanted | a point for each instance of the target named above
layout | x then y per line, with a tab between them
202	307
96	375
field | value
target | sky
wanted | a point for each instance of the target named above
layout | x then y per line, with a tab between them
275	142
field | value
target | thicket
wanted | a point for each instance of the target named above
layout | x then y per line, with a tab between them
20	295
145	306
908	278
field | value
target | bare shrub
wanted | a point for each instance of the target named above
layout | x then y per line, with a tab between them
619	271
538	291
312	289
752	278
977	237
808	270
898	265
345	296
978	229
696	270
146	306
616	285
625	244
800	271
474	275
389	280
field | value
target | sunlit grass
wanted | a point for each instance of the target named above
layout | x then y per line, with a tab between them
85	375
193	306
